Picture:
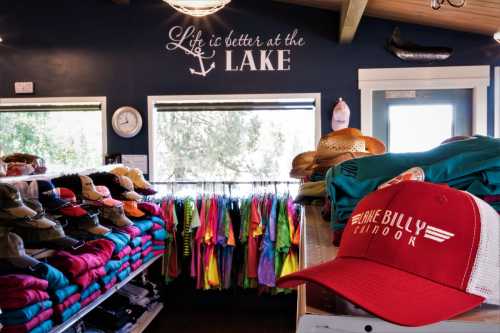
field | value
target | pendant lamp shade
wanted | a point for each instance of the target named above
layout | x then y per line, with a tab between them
198	8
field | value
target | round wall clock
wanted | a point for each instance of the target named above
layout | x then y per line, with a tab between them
127	122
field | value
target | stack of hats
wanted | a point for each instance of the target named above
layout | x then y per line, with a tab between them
20	164
333	149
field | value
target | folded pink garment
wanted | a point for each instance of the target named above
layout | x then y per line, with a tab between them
124	266
109	285
22	281
131	230
86	279
21	298
28	326
147	251
91	298
135	250
59	308
124	252
136	264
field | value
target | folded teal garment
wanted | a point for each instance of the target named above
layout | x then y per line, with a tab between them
44	327
157	220
54	276
60	295
471	165
21	316
89	291
107	278
124	260
148	257
137	241
112	265
158	247
135	257
160	234
123	274
70	311
120	240
146	245
143	225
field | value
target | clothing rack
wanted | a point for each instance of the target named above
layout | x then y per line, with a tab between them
229	184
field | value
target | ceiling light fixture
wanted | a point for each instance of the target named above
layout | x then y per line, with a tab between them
497	36
1	40
436	4
198	8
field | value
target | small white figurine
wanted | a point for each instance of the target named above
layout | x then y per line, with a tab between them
340	116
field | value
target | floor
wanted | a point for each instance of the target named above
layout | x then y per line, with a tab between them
236	311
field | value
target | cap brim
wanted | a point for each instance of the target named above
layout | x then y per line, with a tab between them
66	243
131	195
110	202
53	203
122	221
42	223
393	295
23	261
21	211
73	211
134	212
99	230
146	191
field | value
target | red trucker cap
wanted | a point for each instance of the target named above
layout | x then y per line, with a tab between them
413	254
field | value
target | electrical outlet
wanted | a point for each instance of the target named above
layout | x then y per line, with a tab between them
24	87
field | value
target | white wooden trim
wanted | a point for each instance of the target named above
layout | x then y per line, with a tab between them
418	78
102	100
497	102
152	114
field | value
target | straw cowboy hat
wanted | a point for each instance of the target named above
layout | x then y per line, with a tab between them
302	164
335	148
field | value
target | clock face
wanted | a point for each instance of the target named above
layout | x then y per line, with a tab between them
127	122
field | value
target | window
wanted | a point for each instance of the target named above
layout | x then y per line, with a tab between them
407	123
69	133
230	138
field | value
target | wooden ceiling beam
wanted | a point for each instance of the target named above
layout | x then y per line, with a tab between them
351	12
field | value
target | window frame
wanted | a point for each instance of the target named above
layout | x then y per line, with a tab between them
152	113
497	102
102	100
476	78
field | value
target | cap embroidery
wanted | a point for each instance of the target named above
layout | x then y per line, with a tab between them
395	223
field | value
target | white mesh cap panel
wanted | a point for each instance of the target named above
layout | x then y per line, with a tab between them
485	277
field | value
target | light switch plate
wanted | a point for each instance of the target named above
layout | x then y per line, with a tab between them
24	87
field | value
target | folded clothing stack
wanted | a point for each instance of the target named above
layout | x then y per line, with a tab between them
25	303
86	264
147	248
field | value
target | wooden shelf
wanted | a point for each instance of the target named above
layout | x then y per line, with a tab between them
83	312
146	319
319	310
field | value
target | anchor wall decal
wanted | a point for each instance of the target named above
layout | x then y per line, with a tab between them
196	53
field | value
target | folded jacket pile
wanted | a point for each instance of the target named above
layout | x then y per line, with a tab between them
84	267
25	304
472	165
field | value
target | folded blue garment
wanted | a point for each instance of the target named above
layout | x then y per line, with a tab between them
157	220
146	245
89	291
123	274
21	316
107	278
135	257
70	311
137	241
44	327
158	247
112	265
160	234
54	276
120	240
143	225
148	257
60	295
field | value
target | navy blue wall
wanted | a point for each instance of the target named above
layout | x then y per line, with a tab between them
95	48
